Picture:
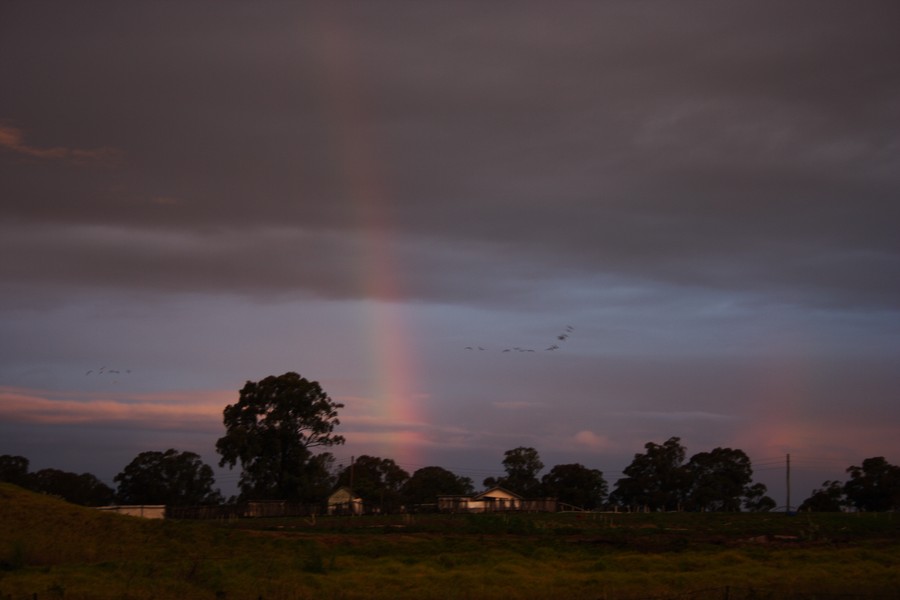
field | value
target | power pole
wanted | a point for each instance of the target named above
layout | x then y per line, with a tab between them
788	476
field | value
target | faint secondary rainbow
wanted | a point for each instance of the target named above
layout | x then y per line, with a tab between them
387	335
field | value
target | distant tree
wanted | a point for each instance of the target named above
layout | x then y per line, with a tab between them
14	469
656	479
172	478
377	481
717	480
427	483
756	500
875	486
829	498
575	484
271	430
84	489
522	466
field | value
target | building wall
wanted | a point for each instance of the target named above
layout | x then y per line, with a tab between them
343	502
495	502
146	511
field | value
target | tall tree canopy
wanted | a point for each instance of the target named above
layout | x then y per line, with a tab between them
271	430
172	478
522	466
874	486
376	480
427	483
14	469
829	498
756	499
718	480
656	479
575	484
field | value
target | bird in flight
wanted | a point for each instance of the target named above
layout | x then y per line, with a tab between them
104	371
562	337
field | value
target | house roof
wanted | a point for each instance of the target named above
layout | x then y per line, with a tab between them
487	493
344	489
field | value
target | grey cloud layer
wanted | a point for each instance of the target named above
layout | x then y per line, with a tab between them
748	148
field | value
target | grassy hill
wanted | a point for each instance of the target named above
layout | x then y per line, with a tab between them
55	549
51	549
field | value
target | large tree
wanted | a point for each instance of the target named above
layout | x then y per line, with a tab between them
271	430
656	479
756	499
14	469
874	486
718	480
575	484
377	481
172	478
829	498
522	466
427	483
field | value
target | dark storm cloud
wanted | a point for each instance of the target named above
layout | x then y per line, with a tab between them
747	148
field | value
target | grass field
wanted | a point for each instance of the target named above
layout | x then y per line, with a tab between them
51	549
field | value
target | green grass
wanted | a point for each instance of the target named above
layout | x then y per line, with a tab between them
57	550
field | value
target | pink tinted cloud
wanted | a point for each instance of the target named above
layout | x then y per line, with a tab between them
592	441
12	138
840	442
189	410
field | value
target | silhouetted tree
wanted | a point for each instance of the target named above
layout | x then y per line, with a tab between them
656	479
522	466
575	484
717	480
756	500
84	489
427	483
270	431
376	480
875	486
829	498
172	478
14	469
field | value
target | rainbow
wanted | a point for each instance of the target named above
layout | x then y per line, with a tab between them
388	340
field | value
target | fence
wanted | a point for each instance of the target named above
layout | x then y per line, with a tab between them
275	508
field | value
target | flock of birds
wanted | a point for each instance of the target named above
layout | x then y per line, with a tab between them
104	371
562	337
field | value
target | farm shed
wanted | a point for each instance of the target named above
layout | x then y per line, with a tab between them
495	499
147	511
344	502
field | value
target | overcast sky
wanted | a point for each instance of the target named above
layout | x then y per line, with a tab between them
700	198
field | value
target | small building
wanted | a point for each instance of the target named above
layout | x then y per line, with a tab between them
495	499
343	501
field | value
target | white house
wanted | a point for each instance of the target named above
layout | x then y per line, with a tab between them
344	502
495	499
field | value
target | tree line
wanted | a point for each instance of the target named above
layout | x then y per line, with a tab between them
279	427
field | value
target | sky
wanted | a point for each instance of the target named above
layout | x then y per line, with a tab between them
579	227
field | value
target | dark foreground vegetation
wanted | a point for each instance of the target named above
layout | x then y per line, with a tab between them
53	549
